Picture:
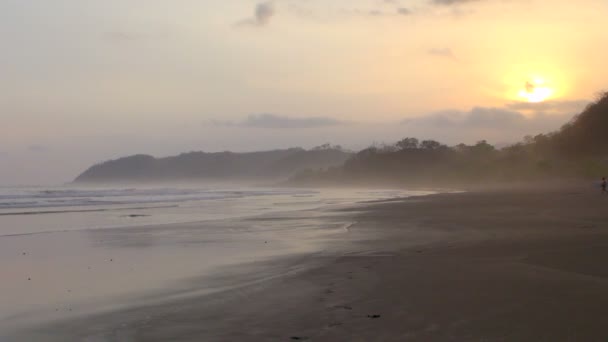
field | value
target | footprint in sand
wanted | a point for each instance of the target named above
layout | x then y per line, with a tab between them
588	226
343	307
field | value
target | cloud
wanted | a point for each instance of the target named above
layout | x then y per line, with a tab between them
403	11
451	2
493	123
262	15
280	121
263	12
398	9
554	106
381	8
458	12
476	117
443	52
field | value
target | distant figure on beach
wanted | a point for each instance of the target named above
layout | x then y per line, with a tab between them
604	185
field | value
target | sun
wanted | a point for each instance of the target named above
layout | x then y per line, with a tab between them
536	91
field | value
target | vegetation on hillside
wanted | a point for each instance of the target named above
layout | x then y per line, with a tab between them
578	150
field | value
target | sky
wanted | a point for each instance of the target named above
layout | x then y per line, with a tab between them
85	81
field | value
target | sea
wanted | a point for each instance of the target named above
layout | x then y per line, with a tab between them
70	250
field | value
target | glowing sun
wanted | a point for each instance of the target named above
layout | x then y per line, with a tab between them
536	91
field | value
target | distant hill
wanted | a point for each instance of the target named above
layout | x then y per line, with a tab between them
193	166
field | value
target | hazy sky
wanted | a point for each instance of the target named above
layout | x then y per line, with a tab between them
88	80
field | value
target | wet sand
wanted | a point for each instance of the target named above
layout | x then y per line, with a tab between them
486	266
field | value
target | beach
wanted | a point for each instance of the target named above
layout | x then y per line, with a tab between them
499	265
70	252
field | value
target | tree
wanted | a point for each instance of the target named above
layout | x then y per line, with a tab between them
482	147
430	145
325	146
407	144
461	148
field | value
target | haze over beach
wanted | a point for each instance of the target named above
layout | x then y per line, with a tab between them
280	170
88	82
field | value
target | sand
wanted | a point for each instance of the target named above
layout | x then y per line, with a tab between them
519	265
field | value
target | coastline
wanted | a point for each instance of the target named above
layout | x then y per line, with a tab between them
509	265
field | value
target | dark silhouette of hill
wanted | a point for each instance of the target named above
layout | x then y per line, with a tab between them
194	166
586	133
578	150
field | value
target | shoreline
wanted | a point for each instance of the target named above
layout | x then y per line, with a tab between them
493	266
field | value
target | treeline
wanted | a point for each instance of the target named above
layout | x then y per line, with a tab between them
578	150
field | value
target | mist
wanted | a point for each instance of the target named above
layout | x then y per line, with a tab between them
59	159
86	83
577	150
